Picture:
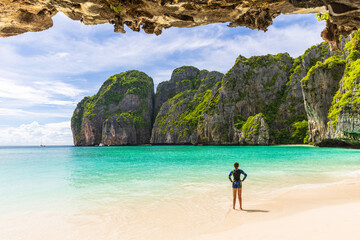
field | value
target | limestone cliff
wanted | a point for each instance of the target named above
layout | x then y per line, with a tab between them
331	92
183	100
319	87
253	86
17	17
182	79
214	110
119	114
255	131
261	100
344	114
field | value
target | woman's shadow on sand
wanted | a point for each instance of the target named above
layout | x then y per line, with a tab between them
254	210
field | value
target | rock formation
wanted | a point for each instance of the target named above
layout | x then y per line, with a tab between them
255	131
213	110
319	87
332	97
17	17
119	114
272	99
182	99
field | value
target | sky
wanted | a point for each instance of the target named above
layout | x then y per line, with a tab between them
43	75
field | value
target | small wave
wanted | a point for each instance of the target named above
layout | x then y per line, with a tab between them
353	174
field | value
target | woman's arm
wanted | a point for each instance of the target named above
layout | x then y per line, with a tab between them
230	176
245	175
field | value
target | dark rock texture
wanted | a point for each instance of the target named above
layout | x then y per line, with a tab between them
17	17
344	17
119	114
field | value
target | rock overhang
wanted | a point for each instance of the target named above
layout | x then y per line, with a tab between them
17	17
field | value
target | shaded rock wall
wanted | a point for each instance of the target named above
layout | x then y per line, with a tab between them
320	86
17	17
332	96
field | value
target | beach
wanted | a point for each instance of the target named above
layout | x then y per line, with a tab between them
323	212
177	192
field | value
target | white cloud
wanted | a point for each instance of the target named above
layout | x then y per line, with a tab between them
44	74
62	54
14	112
35	134
35	93
71	48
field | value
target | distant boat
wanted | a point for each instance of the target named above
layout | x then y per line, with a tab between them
101	145
41	145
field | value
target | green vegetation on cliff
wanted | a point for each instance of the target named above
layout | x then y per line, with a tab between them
347	98
264	61
186	110
300	131
114	89
125	96
259	101
132	117
332	63
252	125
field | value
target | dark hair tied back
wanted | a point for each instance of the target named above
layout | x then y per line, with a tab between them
236	165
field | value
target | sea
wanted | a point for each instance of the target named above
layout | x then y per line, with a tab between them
149	192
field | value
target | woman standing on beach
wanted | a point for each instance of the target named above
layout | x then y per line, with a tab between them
237	183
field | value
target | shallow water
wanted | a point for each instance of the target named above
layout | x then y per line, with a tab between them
126	192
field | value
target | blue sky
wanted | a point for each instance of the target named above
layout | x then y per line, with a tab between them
43	75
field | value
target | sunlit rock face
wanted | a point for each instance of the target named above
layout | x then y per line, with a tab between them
153	16
119	114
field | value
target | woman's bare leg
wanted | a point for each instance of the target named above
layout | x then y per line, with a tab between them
239	195
234	197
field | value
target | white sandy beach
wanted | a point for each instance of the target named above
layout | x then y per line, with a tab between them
331	212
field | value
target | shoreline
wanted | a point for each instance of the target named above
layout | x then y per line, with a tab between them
308	211
199	145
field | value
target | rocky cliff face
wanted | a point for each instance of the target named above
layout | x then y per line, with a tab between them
319	86
183	100
182	79
215	110
17	17
344	114
331	92
261	100
119	114
255	131
253	86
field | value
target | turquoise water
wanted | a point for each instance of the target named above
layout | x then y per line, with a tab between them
79	180
64	175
